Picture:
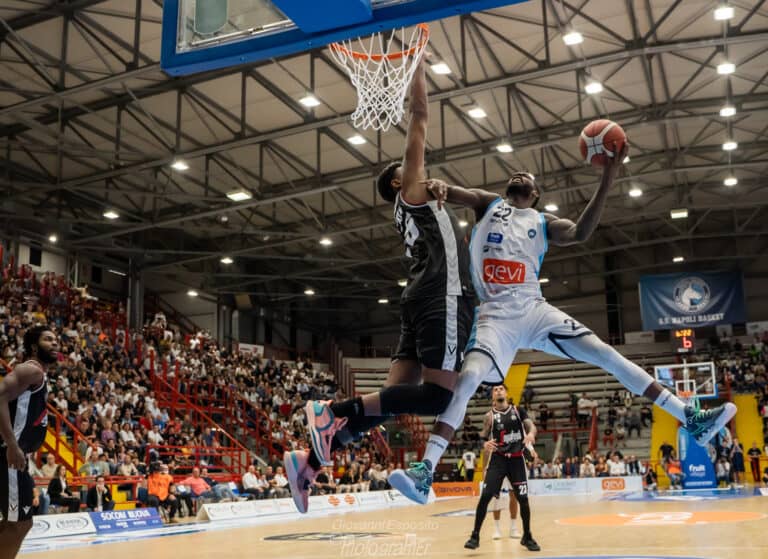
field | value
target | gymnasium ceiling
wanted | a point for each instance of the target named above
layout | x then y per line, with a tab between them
89	122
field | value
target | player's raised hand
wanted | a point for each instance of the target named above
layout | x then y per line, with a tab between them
490	446
438	189
613	163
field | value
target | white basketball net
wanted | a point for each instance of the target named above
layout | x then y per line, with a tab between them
380	75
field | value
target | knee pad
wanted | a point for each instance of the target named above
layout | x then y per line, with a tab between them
436	398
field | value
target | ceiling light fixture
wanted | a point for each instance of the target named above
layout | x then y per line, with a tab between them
239	195
179	165
728	110
326	241
402	282
726	68
730	145
192	293
635	193
678	259
573	38
504	147
551	207
731	181
593	87
543	280
463	223
383	301
681	213
309	291
441	68
111	214
309	101
226	260
116	272
477	112
53	238
723	12
356	140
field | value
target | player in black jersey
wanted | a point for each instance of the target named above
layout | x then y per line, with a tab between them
23	423
436	313
511	433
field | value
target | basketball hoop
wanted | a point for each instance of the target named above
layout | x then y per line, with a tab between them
381	75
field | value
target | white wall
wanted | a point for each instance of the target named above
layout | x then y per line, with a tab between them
51	262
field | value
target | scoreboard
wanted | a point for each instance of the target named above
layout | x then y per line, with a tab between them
683	340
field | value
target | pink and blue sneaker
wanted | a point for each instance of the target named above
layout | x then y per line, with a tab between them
323	425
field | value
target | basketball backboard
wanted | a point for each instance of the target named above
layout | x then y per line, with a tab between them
201	35
688	379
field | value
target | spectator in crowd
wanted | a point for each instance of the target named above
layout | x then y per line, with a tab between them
609	439
544	415
634	422
49	468
378	478
650	479
222	491
616	467
351	479
570	469
601	468
723	472
549	471
324	482
646	414
674	471
737	460
159	484
587	468
40	502
633	466
665	452
60	493
278	483
198	486
253	484
754	461
469	458
621	434
99	497
91	468
584	408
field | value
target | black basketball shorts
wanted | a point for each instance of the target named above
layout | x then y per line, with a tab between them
16	490
434	331
500	467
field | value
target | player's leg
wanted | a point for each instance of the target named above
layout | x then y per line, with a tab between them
518	476
15	508
514	532
435	325
415	482
557	333
494	477
495	507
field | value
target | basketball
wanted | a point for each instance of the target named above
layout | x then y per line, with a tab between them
599	140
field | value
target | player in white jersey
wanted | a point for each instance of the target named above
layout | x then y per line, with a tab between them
508	245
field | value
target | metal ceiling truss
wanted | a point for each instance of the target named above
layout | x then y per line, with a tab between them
83	136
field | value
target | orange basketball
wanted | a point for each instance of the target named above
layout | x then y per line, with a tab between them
601	139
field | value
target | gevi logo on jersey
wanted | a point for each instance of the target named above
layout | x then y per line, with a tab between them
503	271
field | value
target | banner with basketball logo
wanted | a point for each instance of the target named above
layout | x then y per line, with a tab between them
670	301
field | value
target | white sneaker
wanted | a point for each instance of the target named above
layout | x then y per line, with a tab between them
514	532
496	534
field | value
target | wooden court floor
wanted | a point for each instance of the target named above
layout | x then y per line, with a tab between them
564	527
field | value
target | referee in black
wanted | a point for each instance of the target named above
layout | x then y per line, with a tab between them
510	434
23	422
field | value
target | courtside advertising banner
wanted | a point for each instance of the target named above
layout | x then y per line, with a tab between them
120	520
672	301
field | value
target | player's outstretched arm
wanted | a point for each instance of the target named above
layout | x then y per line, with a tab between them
474	198
416	139
564	232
